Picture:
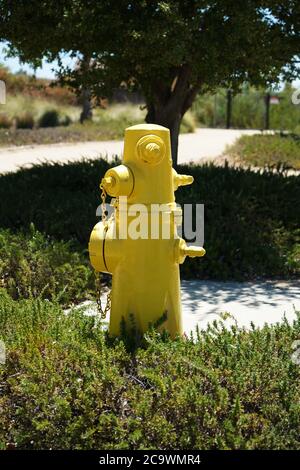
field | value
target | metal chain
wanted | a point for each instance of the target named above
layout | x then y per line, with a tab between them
103	208
102	311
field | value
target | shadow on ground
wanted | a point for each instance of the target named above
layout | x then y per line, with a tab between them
248	294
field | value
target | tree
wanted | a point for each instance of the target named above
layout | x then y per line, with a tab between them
170	49
85	93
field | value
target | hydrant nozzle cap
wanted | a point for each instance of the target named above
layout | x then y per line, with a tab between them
108	181
118	181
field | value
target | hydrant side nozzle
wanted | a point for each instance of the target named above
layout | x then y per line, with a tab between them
194	251
181	180
182	250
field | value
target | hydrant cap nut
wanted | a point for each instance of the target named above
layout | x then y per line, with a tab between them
118	181
151	149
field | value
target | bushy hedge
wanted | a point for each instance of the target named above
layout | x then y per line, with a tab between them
251	219
66	386
251	223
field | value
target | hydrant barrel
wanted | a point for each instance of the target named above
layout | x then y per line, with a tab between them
139	244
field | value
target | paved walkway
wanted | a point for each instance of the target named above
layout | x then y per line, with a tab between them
245	302
260	303
203	144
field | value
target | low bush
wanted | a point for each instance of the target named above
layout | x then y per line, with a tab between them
49	118
188	123
5	122
65	120
251	219
66	386
53	118
33	265
24	121
272	151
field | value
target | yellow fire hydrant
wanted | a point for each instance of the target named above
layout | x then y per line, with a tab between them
139	244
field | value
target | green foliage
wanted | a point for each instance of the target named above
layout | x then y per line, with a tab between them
65	386
171	50
136	29
107	123
251	222
52	118
251	219
273	151
248	109
5	122
25	121
188	123
285	115
49	118
33	265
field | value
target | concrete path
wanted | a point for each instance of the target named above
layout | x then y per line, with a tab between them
203	144
242	303
260	303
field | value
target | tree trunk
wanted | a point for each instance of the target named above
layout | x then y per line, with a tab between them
86	112
229	109
267	111
85	97
169	104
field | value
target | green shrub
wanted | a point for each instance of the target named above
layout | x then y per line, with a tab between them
65	120
251	219
297	130
248	109
49	118
251	223
33	265
5	121
188	123
65	386
25	121
273	151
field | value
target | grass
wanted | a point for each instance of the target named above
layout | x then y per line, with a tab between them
66	386
36	106
272	151
52	135
107	124
251	219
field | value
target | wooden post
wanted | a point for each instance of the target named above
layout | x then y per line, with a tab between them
267	111
229	109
